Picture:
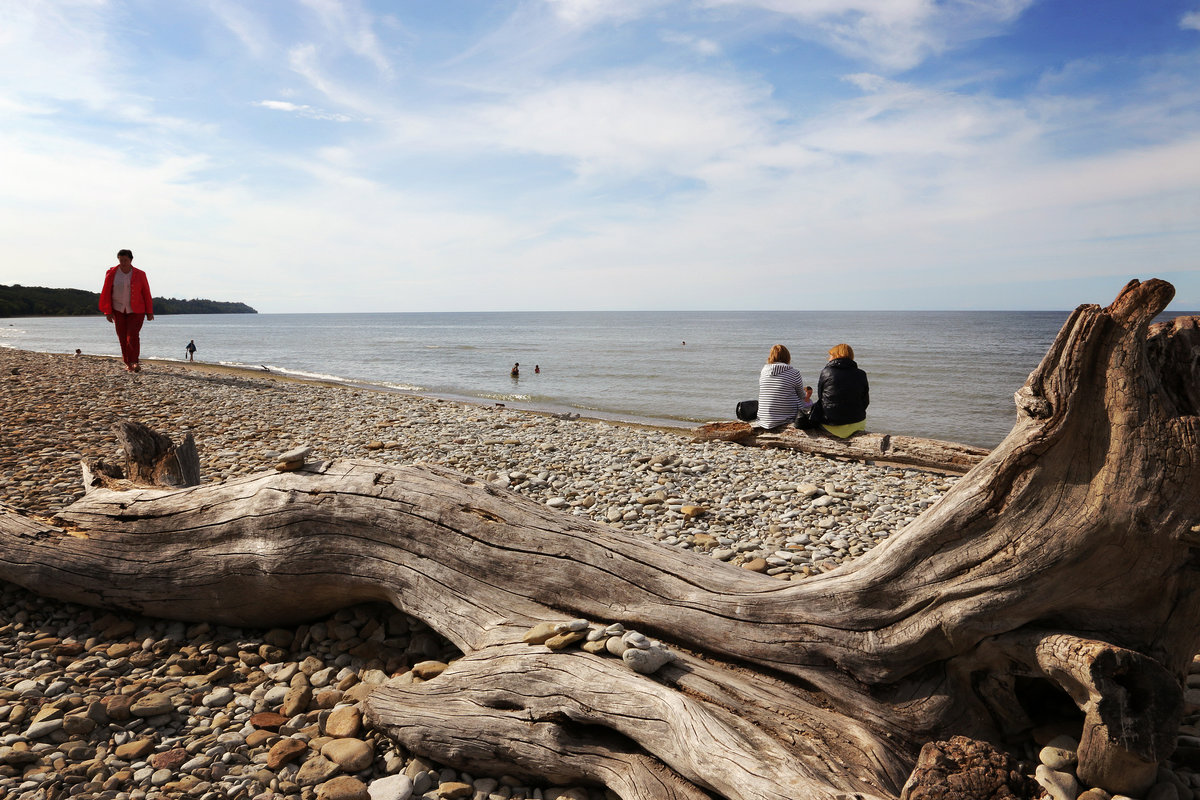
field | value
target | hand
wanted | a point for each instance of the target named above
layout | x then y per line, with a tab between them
149	317
108	317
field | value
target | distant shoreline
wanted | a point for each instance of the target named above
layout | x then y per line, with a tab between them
18	301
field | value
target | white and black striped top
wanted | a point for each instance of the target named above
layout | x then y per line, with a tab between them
780	395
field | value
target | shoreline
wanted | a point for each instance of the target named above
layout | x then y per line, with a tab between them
783	514
663	423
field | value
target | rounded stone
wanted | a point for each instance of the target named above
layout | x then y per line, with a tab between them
1059	785
343	722
284	751
393	787
453	790
152	705
343	787
429	669
171	759
1058	758
352	755
315	770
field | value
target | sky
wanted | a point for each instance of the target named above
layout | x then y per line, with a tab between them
459	155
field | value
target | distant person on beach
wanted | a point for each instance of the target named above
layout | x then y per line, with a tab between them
781	393
516	370
537	370
842	395
191	350
125	301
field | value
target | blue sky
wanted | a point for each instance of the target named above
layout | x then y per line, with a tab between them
312	155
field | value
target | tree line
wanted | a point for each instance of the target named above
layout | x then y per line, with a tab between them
38	301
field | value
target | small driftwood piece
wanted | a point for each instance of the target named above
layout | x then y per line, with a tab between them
864	446
1058	583
151	459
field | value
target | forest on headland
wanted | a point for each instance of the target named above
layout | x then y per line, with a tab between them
38	301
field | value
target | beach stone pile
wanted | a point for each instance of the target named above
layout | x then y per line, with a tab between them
638	651
120	707
112	706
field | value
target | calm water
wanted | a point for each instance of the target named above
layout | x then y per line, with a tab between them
943	375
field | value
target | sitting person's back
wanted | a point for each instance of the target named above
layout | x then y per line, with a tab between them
843	394
780	390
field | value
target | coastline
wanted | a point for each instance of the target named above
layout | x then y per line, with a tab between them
665	426
285	375
621	366
787	515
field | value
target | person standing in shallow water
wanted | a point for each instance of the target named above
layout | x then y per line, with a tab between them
191	350
516	370
125	301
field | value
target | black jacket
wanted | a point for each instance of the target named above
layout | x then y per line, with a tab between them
842	393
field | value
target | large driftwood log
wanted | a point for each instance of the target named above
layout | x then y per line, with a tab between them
1064	564
866	446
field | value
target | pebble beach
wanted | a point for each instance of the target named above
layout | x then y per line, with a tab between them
105	704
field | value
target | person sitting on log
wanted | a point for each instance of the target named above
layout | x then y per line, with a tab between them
781	392
843	395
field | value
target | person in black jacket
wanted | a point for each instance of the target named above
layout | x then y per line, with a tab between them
842	394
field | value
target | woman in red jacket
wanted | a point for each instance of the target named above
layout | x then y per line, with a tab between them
125	301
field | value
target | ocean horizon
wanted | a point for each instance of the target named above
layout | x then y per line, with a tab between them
946	375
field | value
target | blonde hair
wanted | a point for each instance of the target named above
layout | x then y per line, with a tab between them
841	351
779	355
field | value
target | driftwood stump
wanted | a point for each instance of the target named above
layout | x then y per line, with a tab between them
151	459
1065	565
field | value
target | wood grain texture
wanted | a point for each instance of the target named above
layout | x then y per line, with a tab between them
912	451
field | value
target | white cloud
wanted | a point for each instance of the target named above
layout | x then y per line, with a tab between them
57	52
1190	21
632	123
895	34
238	19
350	24
302	110
304	61
898	119
584	13
701	46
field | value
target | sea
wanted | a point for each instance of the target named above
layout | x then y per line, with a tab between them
946	375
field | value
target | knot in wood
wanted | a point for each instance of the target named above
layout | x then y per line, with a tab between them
1032	405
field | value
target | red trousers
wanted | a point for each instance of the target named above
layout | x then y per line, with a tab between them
129	329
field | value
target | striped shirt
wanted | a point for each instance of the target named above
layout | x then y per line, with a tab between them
780	395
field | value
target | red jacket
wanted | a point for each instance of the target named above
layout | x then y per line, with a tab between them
140	301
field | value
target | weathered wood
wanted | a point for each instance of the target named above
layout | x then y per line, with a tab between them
151	459
1065	562
864	446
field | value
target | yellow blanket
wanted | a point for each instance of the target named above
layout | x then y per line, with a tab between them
842	431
